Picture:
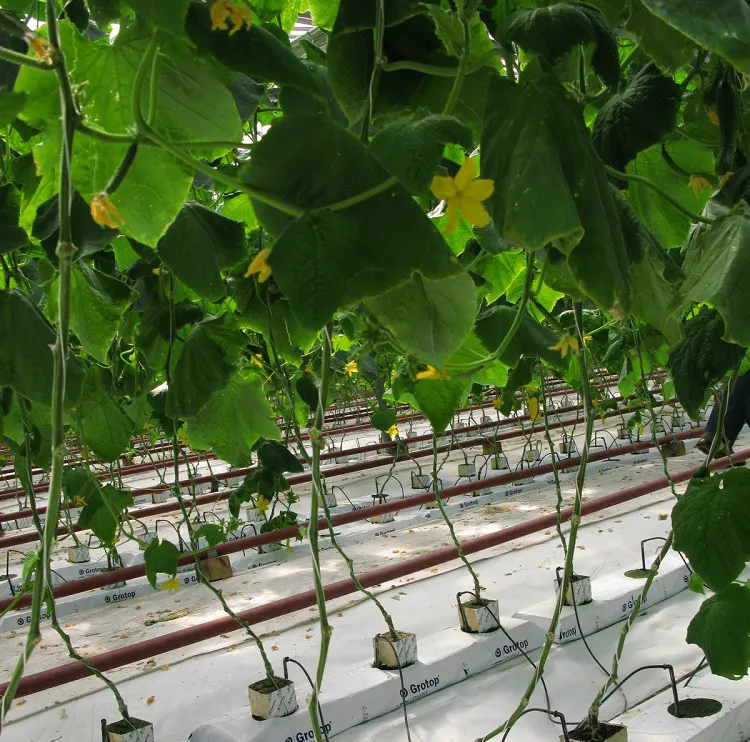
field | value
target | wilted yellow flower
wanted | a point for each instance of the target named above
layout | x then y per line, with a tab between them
393	374
567	343
262	504
698	183
78	501
724	178
432	373
41	48
497	403
104	212
257	360
393	431
171	586
351	368
238	14
259	266
464	193
712	116
586	339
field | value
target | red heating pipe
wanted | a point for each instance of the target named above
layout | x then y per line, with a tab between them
230	547
73	671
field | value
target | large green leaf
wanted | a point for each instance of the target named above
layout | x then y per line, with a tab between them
550	187
717	266
11	235
639	116
383	419
232	421
721	628
330	259
721	26
712	525
553	30
105	426
161	557
253	51
701	359
669	226
166	14
665	45
277	458
429	318
531	340
103	506
412	148
502	271
438	400
199	244
26	362
97	304
206	364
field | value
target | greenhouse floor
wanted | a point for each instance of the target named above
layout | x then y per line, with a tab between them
182	690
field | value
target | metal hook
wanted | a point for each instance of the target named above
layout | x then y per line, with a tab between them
285	663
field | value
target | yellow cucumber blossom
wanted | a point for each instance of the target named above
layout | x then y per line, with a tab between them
171	586
534	413
698	184
432	373
567	343
262	504
104	212
393	374
351	368
393	431
41	48
258	265
497	403
238	14
586	339
464	193
79	501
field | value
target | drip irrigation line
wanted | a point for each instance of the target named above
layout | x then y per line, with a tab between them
212	628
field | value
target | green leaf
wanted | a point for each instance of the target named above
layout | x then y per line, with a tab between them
323	12
711	524
166	14
412	148
721	628
253	51
29	565
665	45
531	340
212	532
554	30
669	226
244	403
536	148
308	391
717	265
198	245
26	352
383	419
206	364
721	26
12	236
97	305
161	557
331	259
438	400
701	359
105	426
502	271
103	507
240	209
639	116
430	319
696	584
11	104
278	458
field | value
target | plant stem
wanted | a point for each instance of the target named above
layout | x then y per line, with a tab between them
558	488
672	201
575	521
65	252
364	196
7	55
463	64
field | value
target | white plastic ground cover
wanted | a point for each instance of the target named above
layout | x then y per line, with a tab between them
651	722
365	692
613	600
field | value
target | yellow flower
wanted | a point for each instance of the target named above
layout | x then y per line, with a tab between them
393	374
698	183
262	504
104	212
594	402
259	266
171	586
78	501
432	373
567	343
534	414
464	193
41	48
586	339
257	360
497	403
393	431
237	14
351	368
